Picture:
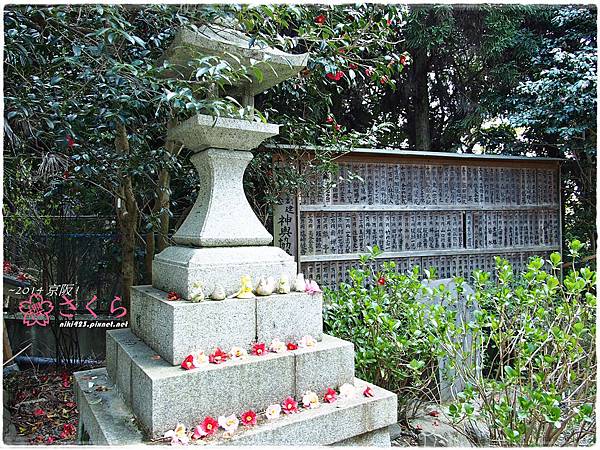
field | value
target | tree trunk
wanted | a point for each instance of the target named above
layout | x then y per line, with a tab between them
149	256
164	195
421	99
161	207
127	216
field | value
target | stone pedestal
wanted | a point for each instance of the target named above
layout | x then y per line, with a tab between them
143	391
178	268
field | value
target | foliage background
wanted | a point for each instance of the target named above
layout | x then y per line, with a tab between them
86	110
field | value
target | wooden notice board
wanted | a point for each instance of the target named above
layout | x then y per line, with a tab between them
449	211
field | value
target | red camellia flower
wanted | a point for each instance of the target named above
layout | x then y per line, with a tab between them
337	76
70	141
352	66
389	22
330	396
434	413
402	59
381	281
7	266
209	425
258	349
292	346
188	363
369	71
342	50
383	79
21	276
338	127
320	19
329	119
69	428
50	440
368	392
172	295
249	418
217	357
39	412
289	405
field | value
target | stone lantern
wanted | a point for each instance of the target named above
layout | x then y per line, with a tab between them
144	392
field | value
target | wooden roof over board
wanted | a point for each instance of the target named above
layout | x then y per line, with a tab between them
432	157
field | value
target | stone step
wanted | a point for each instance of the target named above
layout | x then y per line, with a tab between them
359	421
161	394
174	329
107	420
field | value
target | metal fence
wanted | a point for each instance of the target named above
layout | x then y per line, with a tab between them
75	254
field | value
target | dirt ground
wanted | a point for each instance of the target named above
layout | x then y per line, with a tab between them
40	406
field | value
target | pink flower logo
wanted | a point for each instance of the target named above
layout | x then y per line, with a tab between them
36	312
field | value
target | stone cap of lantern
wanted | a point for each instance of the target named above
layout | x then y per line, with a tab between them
238	50
202	131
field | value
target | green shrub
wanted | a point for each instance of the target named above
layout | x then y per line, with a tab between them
535	330
396	345
541	388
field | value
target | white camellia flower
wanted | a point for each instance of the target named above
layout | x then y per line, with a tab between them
229	423
273	412
307	341
201	359
310	400
278	346
238	353
348	390
178	435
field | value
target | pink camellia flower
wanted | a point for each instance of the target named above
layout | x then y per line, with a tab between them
289	405
188	363
249	418
312	287
7	266
369	71
258	349
209	426
198	432
330	396
218	357
368	392
39	412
